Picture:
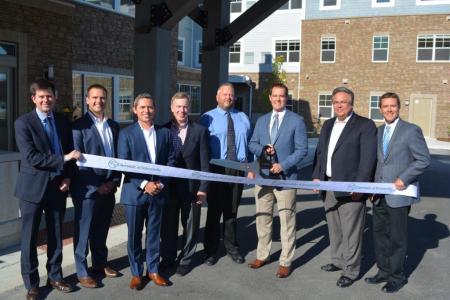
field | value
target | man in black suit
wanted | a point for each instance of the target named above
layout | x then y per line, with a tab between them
346	151
42	137
93	189
186	196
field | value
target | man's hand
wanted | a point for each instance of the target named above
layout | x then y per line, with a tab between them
356	196
399	184
316	180
270	150
75	154
106	188
276	169
153	188
251	175
201	198
64	185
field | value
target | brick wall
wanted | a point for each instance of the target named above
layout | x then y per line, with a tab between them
354	61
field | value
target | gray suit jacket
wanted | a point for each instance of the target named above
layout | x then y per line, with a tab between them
407	158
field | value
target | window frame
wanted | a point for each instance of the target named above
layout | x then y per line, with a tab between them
322	38
191	113
329	7
183	50
374	49
234	52
198	52
378	95
324	93
236	2
289	40
433	49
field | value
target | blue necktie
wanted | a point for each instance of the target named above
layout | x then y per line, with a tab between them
274	129
386	139
50	133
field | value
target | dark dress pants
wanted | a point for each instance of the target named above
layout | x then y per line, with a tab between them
92	222
181	202
390	236
53	203
223	199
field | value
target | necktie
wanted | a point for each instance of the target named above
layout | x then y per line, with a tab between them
49	131
176	141
274	129
231	144
386	139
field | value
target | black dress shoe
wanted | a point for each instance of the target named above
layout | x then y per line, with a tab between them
375	279
236	257
211	260
330	268
344	282
183	270
33	294
393	287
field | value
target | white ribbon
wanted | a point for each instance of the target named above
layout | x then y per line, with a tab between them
115	164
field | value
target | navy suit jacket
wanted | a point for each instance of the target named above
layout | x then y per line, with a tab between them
86	139
195	154
355	154
37	160
291	142
132	146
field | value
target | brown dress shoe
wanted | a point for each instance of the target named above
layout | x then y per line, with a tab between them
283	272
256	264
107	271
61	286
88	282
159	280
136	283
33	294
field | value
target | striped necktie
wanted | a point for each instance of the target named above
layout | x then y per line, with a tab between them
274	129
231	143
386	139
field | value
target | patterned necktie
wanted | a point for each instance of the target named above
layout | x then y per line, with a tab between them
231	144
176	141
386	139
274	129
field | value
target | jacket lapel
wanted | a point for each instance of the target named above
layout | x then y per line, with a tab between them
380	140
346	132
282	126
394	137
187	138
115	136
38	125
140	141
95	132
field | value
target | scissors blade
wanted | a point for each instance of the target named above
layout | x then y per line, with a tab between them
229	164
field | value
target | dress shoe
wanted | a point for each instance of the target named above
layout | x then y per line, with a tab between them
393	287
60	286
33	294
211	260
344	281
88	282
107	271
283	272
330	268
157	279
375	279
183	270
136	283
236	257
257	263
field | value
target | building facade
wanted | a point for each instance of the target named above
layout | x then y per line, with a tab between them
378	46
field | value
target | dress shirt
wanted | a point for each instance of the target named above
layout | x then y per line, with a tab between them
392	125
216	121
42	116
150	141
105	133
338	127
281	115
179	131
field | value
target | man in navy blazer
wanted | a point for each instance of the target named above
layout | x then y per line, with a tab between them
93	189
346	151
145	195
190	143
280	134
42	137
402	156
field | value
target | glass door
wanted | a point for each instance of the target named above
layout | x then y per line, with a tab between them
6	89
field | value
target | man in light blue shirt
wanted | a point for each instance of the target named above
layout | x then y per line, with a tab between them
229	132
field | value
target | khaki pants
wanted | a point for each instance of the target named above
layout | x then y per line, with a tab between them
265	198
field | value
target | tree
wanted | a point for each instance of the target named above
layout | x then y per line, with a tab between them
278	75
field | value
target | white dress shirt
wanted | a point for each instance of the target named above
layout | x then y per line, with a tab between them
150	141
105	133
392	125
338	127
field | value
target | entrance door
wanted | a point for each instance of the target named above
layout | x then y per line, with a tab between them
421	112
6	94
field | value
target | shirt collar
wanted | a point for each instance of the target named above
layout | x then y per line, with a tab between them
224	112
42	115
97	120
150	130
345	121
393	124
176	126
280	113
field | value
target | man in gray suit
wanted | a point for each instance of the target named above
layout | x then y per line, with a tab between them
280	135
402	156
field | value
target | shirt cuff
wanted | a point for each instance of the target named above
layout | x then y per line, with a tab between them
143	184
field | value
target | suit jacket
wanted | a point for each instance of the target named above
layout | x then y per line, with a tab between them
37	160
194	154
132	146
407	157
354	156
291	142
86	139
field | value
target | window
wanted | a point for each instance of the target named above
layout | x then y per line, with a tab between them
249	58
325	105
119	98
289	49
328	50
123	6
374	112
250	3
199	51
432	2
330	4
180	51
235	53
383	3
380	50
292	4
8	85
235	6
433	47
195	93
